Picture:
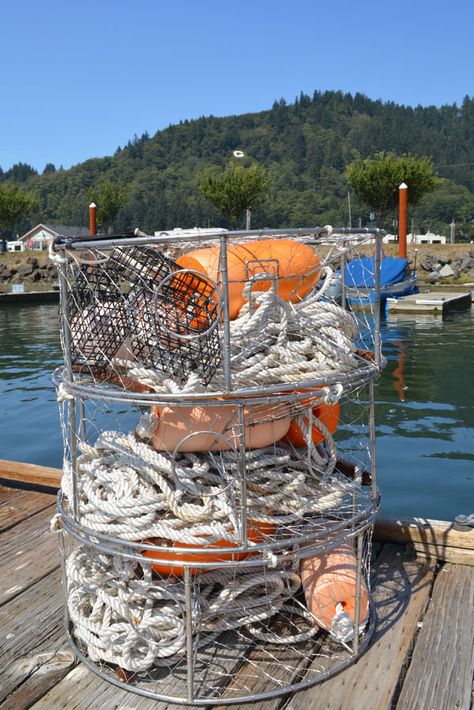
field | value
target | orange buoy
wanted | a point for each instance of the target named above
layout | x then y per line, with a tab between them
329	584
256	532
328	414
215	428
296	265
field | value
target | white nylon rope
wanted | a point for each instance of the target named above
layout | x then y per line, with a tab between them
276	342
136	623
128	490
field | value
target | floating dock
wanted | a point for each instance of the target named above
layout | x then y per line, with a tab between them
421	655
36	297
435	302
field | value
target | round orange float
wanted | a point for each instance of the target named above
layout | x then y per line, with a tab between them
298	268
215	428
256	532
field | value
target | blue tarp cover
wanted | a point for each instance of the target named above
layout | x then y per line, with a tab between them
360	272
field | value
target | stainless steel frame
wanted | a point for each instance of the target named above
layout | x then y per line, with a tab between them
312	539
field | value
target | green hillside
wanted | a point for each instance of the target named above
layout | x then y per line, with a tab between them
305	146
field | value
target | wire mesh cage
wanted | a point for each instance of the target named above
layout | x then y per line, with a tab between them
218	636
219	486
135	304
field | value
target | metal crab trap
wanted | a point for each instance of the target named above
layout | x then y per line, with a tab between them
219	488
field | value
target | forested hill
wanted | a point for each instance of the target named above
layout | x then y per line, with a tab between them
305	146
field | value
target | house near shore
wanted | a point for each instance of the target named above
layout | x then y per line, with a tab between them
41	236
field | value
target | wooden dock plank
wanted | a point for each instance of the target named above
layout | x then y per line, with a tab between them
439	533
30	473
28	552
442	665
445	554
402	586
82	689
34	654
268	666
17	505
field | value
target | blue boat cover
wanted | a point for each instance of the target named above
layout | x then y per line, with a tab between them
360	272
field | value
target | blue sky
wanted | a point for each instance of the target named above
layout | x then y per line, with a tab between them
79	78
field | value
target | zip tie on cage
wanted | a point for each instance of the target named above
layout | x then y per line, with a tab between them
342	628
146	426
62	393
333	393
55	256
272	559
56	523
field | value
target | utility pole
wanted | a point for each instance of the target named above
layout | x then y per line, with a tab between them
349	207
248	215
453	231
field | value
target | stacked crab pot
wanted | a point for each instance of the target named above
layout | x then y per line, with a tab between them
217	497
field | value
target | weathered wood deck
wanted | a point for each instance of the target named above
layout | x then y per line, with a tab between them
421	657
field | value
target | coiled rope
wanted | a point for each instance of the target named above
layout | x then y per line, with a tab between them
134	621
273	341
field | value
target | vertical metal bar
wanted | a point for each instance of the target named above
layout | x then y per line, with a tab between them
226	312
73	447
188	598
71	403
243	476
82	420
309	435
360	546
62	554
64	312
372	441
343	276
377	262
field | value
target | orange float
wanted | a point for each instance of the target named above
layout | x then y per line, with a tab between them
256	532
329	584
298	268
215	428
328	414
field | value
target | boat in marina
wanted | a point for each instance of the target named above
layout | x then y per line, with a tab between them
396	279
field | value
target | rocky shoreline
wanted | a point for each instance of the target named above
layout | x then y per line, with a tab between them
443	264
27	269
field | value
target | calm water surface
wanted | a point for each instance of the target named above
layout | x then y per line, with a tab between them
425	410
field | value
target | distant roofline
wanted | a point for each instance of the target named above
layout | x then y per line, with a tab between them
55	230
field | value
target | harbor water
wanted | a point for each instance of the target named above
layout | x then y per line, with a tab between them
425	409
